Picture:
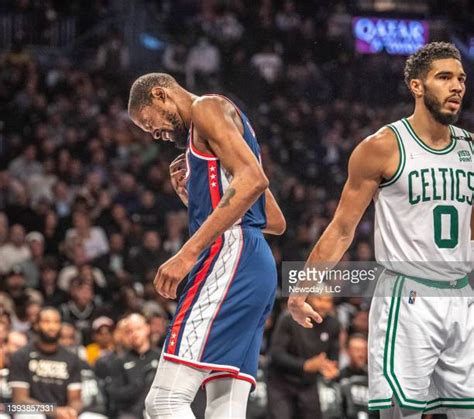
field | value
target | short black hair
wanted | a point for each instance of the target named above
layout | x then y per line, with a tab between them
140	92
419	63
48	308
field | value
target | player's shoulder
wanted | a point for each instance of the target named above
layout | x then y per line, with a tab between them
207	103
382	142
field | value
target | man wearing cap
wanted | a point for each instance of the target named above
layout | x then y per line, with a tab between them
102	339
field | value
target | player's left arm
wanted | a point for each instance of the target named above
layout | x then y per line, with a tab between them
276	223
248	182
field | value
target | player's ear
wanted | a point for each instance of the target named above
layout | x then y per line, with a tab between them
417	87
158	93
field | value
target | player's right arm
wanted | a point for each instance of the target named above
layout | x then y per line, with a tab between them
374	159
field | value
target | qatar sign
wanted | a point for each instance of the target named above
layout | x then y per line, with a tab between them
394	36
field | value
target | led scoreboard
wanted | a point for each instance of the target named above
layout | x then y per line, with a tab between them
394	36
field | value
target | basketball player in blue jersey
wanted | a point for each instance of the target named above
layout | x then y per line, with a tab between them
215	336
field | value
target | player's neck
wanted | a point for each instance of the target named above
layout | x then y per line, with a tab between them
428	128
184	101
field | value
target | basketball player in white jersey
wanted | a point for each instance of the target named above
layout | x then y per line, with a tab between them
420	173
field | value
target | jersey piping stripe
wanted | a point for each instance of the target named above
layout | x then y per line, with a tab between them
446	150
389	364
389	360
195	151
401	161
201	365
229	284
239	376
200	277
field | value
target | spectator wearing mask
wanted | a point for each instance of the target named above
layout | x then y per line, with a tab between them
45	372
297	357
129	388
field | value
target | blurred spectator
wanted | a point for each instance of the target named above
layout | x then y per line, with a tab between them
44	372
298	355
112	55
14	342
3	228
110	365
81	310
79	259
26	165
115	263
102	339
92	238
148	257
15	251
354	379
52	294
26	300
138	367
70	338
158	322
202	64
31	266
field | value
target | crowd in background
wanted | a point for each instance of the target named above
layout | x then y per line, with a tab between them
88	214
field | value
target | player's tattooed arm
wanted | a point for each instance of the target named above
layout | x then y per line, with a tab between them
213	122
228	195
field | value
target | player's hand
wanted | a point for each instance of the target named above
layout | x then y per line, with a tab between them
178	177
65	412
172	272
302	312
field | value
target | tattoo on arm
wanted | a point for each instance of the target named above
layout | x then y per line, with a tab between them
225	201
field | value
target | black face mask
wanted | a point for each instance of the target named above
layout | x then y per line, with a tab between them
434	106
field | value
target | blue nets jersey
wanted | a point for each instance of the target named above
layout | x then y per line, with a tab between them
207	181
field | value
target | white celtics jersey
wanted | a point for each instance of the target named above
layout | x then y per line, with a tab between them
423	213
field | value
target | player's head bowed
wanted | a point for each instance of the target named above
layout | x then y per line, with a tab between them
153	107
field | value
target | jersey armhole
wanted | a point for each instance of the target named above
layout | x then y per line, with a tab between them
401	161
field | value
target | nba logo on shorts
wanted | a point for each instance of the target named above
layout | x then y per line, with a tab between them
411	298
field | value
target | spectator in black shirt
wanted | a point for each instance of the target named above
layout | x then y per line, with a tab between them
297	356
45	372
81	310
128	388
354	379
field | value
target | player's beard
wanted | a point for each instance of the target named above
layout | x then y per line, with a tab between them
434	106
45	338
179	134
